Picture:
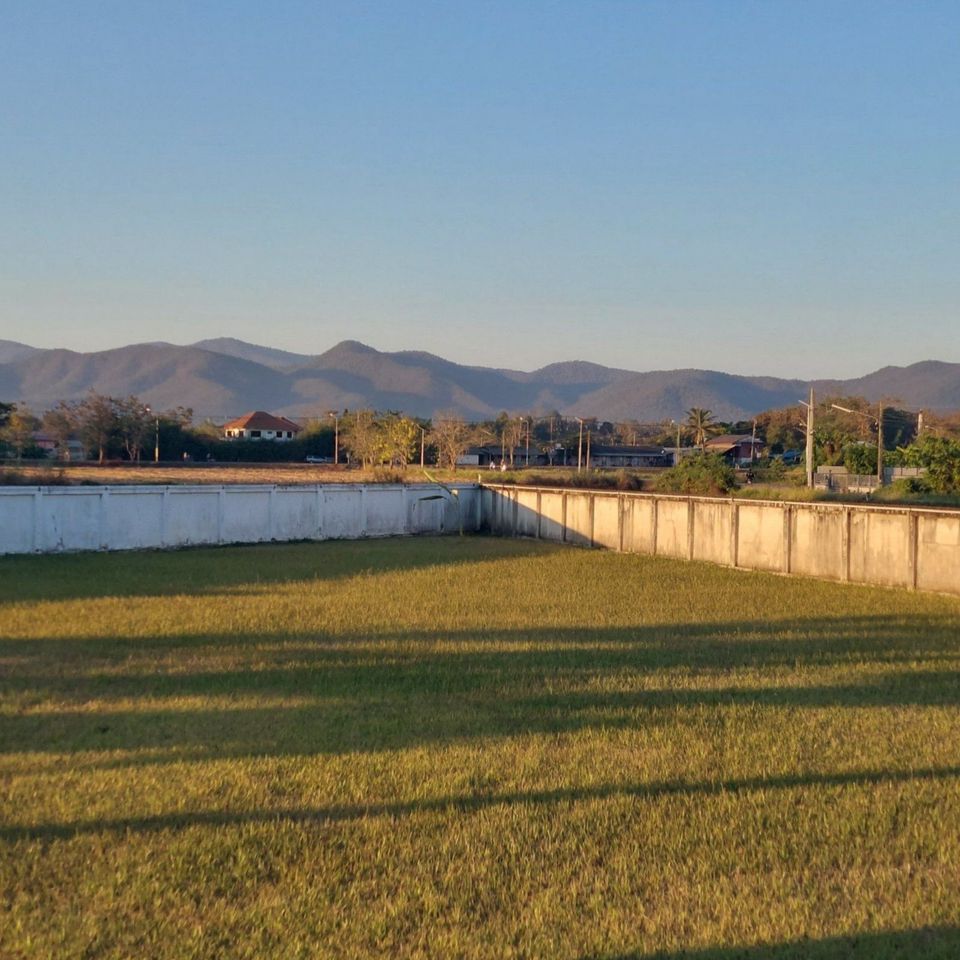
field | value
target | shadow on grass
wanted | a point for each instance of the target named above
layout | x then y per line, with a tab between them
924	943
337	694
339	813
202	570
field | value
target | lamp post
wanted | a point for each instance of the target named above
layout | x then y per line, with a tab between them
580	446
878	420
156	435
526	457
422	445
336	435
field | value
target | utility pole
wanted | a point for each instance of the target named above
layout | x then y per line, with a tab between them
336	434
580	447
880	444
810	440
879	419
588	449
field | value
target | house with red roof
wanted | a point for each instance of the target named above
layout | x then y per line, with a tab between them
260	425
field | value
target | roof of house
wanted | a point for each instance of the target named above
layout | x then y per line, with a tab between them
732	439
625	451
261	420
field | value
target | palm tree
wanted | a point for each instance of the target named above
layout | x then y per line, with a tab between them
700	422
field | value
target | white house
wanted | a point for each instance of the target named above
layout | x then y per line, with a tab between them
260	425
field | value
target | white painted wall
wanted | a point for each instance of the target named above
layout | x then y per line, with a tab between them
55	519
893	546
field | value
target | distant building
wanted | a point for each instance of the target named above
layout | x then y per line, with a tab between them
623	456
493	455
259	425
737	448
52	447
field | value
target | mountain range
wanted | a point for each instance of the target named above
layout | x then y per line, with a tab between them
225	377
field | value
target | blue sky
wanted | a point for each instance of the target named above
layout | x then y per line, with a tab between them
754	187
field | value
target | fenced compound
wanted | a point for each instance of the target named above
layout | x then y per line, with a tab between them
890	546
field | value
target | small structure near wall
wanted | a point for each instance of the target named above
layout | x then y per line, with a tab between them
737	448
627	456
260	425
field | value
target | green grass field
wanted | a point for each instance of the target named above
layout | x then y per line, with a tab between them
471	748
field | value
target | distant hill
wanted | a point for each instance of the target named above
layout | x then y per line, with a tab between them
163	375
10	351
225	377
268	356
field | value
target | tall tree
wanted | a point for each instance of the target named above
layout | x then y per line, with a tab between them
398	439
512	430
97	421
359	436
699	420
451	436
61	424
18	429
134	421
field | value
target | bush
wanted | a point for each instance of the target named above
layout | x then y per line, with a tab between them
388	475
586	480
911	486
860	458
941	457
41	477
703	473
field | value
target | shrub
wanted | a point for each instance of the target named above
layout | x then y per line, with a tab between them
388	475
941	457
703	473
860	458
41	477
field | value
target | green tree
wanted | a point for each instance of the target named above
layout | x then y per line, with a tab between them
941	457
701	473
860	458
61	424
19	428
700	421
398	440
97	421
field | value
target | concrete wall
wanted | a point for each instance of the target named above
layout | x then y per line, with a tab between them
54	519
893	546
913	548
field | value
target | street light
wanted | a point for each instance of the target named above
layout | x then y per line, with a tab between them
580	446
156	436
526	420
336	435
878	420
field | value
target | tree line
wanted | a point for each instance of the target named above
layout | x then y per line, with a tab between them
127	428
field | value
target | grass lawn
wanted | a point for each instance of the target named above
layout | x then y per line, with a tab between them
471	748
